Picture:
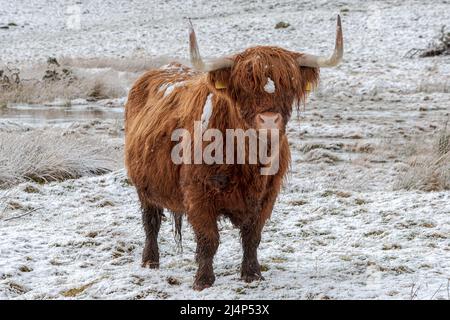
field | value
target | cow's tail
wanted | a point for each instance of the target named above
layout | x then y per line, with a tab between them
177	224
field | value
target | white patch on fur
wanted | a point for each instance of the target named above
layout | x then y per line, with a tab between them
207	112
163	87
169	87
270	86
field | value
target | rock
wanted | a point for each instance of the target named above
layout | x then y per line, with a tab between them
173	281
282	25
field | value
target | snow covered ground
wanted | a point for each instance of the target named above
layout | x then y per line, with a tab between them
85	241
339	230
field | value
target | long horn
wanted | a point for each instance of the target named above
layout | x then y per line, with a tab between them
196	59
309	60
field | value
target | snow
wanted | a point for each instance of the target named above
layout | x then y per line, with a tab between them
169	87
315	246
338	229
207	112
270	86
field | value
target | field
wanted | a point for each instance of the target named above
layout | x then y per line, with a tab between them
365	210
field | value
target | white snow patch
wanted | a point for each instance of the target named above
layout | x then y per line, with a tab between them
174	68
169	87
207	112
270	86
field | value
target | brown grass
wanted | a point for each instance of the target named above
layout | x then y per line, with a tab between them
42	156
70	78
428	165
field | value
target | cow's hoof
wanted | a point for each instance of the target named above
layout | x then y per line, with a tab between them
150	265
198	286
203	281
252	277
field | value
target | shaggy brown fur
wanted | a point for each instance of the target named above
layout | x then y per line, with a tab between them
206	192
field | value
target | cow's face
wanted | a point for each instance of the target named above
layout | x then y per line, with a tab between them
264	82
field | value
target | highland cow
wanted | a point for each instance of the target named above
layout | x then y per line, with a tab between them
248	90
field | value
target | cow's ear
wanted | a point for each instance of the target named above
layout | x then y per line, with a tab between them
219	80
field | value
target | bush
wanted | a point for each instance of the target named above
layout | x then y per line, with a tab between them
439	46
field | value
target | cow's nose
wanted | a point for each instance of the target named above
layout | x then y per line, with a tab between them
269	120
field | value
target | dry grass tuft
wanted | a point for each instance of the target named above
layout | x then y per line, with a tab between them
4	196
43	156
70	78
321	155
428	167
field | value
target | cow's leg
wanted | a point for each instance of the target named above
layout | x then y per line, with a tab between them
207	236
151	218
251	237
251	234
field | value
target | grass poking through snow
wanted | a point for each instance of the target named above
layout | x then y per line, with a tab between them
429	166
43	156
70	78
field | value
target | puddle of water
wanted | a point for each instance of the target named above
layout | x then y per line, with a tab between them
40	114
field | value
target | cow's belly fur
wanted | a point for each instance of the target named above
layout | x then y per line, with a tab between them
238	192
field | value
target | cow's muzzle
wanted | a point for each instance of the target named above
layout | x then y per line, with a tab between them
269	121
